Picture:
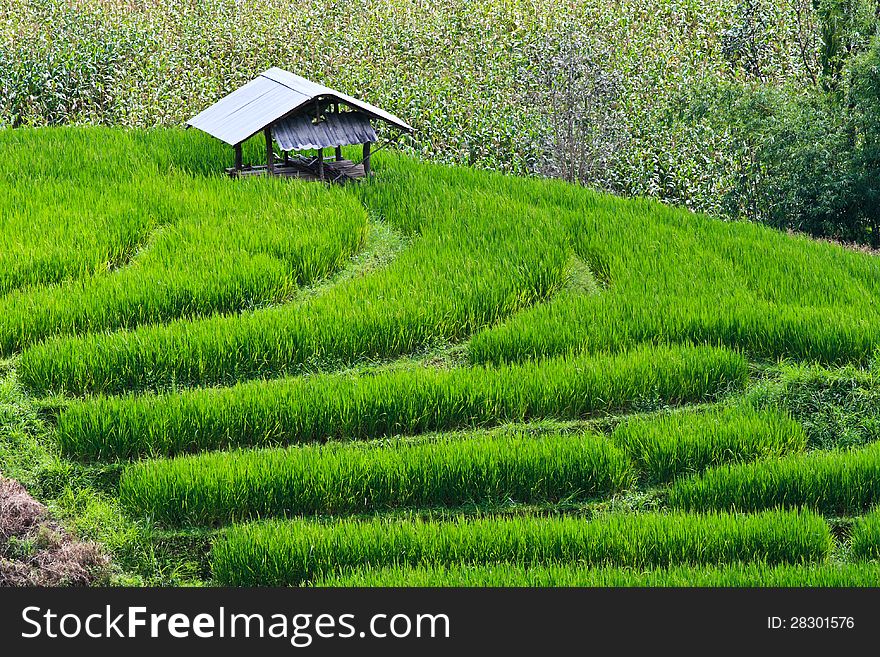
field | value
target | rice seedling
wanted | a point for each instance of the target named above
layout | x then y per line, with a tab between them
187	246
568	575
829	482
489	258
351	477
295	552
470	263
397	401
866	536
66	218
674	444
687	277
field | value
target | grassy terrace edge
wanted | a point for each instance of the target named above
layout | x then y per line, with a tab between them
567	575
296	552
832	482
347	478
407	401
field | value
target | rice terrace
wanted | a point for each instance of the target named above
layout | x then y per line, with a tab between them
265	381
246	367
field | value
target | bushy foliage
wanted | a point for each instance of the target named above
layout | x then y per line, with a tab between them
808	158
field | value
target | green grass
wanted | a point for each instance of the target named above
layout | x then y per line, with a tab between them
430	299
401	401
734	575
490	256
294	552
354	478
83	498
214	244
838	408
830	482
472	259
67	218
671	445
866	536
678	276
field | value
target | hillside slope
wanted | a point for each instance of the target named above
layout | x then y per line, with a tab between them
195	353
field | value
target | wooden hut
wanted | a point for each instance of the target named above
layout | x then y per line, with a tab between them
297	115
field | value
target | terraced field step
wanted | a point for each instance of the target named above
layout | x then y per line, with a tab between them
670	445
344	478
295	552
404	401
505	574
488	262
472	260
164	245
866	537
833	482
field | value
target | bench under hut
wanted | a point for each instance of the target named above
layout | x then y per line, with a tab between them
298	115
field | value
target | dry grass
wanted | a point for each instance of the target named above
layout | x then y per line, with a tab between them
36	551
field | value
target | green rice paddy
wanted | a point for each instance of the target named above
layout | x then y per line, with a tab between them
438	377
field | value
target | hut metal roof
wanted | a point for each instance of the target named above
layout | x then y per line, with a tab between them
274	94
299	132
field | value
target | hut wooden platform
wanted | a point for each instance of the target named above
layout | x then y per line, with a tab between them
334	170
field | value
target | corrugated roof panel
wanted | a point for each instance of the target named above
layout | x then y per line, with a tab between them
372	109
267	98
251	119
247	110
230	104
296	82
297	133
313	89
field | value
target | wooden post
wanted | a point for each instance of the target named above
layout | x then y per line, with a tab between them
367	159
338	148
286	157
321	163
270	155
237	149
